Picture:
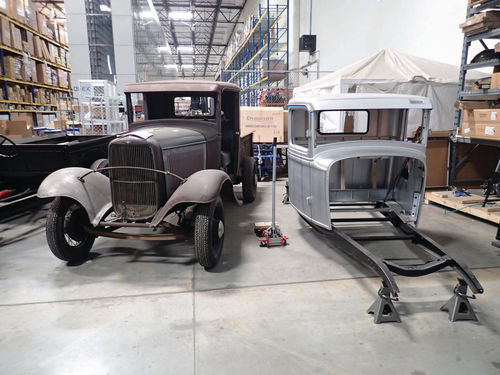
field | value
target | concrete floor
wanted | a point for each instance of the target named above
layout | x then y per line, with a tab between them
294	310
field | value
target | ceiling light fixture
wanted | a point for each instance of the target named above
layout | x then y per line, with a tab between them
151	13
104	8
185	49
164	49
180	15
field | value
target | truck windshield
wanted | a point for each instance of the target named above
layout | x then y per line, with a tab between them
343	122
194	106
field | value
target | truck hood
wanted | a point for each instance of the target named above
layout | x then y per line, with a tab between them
173	133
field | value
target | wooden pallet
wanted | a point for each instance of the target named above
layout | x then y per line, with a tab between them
446	198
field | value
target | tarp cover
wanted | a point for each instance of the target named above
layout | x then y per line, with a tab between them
389	71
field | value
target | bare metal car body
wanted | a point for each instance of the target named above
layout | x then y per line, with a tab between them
172	161
350	153
355	166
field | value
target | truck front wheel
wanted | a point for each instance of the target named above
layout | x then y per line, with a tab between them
65	232
209	233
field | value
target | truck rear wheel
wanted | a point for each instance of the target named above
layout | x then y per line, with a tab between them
65	232
249	179
209	233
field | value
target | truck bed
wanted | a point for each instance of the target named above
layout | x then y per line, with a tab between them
30	160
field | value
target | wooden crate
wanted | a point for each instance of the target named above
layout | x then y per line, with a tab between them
446	198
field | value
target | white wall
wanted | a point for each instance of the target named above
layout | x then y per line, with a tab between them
348	31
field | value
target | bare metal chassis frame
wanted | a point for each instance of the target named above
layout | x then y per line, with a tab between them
458	306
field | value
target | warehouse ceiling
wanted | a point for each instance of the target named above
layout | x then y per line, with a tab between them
195	32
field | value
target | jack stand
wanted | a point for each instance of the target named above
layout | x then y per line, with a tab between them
459	307
272	236
382	309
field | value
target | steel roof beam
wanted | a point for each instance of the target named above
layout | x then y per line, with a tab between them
212	33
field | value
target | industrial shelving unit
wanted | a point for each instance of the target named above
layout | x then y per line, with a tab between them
474	7
33	107
261	61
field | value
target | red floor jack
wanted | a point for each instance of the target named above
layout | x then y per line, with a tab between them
271	235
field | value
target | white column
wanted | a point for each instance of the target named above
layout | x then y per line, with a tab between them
123	40
78	40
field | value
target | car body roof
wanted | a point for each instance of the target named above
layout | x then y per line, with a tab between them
180	86
360	101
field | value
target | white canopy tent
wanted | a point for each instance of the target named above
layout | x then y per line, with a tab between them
389	71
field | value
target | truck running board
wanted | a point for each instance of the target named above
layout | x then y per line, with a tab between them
383	309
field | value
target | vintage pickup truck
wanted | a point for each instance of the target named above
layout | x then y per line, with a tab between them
181	157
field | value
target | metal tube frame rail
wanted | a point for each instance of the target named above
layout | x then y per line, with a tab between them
385	268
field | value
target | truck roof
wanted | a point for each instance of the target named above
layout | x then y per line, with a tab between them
180	86
361	101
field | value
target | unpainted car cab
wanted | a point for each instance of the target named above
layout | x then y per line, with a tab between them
352	148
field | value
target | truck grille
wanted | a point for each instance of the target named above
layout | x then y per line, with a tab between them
135	192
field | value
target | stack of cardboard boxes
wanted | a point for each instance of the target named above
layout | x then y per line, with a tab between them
24	27
479	121
28	13
481	22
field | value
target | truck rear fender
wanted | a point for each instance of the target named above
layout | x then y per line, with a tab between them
201	187
93	192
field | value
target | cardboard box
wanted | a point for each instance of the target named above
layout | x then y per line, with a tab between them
485	131
466	105
54	29
30	10
4	7
15	129
19	10
5	32
53	52
265	122
12	9
13	67
495	77
437	162
29	67
483	116
37	46
63	35
28	42
16	39
63	78
481	22
43	74
475	2
54	77
42	22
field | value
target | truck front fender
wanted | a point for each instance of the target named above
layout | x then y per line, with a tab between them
93	192
201	187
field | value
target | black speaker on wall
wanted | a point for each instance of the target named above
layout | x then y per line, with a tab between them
307	43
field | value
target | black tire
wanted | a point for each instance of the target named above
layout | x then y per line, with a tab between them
209	233
249	179
65	234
